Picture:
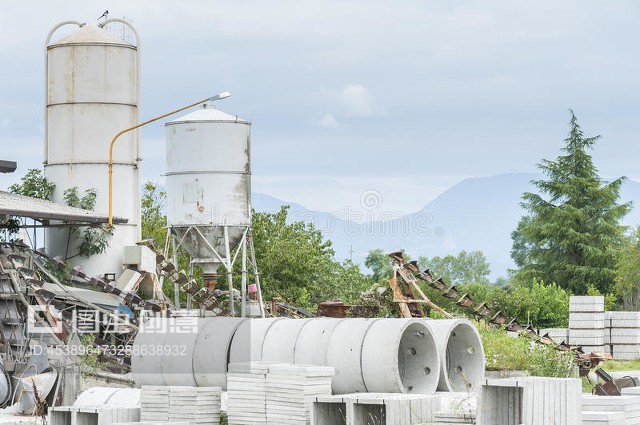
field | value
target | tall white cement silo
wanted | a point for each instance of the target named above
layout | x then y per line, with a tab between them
208	185
92	91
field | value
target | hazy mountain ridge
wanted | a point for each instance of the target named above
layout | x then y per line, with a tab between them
474	214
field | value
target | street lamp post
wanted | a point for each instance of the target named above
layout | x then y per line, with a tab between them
209	99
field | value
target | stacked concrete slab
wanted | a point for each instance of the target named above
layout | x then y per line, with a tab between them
374	408
587	322
447	418
180	403
530	401
623	334
247	393
291	390
558	335
153	423
629	405
603	418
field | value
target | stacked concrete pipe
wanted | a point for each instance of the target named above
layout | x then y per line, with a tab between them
461	354
194	351
369	355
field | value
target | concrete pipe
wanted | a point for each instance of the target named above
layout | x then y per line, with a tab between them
344	353
313	341
147	368
176	350
461	354
183	351
400	356
211	353
280	341
108	396
248	340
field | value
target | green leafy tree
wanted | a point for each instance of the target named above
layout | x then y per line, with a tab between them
572	226
627	279
34	184
93	240
466	267
296	263
154	220
380	264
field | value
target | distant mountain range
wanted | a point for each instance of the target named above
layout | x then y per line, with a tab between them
475	214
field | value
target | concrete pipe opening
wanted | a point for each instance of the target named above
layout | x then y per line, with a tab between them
461	352
210	358
400	355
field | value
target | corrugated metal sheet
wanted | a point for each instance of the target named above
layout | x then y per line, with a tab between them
80	294
39	209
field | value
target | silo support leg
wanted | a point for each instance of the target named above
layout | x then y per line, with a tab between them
227	264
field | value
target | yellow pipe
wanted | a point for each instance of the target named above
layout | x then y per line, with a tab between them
127	130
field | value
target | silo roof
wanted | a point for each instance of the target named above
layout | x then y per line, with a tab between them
208	114
91	33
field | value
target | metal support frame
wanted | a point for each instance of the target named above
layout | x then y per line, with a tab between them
245	250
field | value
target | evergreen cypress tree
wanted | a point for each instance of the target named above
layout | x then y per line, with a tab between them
572	228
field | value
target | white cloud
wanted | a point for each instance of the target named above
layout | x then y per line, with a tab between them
357	100
354	100
328	121
5	122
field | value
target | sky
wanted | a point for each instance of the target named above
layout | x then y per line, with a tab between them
347	98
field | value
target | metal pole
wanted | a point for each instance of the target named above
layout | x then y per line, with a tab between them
254	264
127	130
190	278
243	308
227	264
176	286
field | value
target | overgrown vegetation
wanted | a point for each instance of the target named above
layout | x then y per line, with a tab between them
504	352
297	263
92	240
627	279
34	184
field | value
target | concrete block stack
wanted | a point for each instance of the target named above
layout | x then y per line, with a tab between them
180	403
247	393
622	334
629	405
447	418
152	423
531	400
556	334
291	390
602	418
587	323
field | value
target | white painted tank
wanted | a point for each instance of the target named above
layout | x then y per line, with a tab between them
92	94
208	181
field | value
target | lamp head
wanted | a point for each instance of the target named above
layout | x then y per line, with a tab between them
219	96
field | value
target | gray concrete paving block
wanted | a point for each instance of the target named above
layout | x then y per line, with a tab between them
585	299
603	418
587	324
628	405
